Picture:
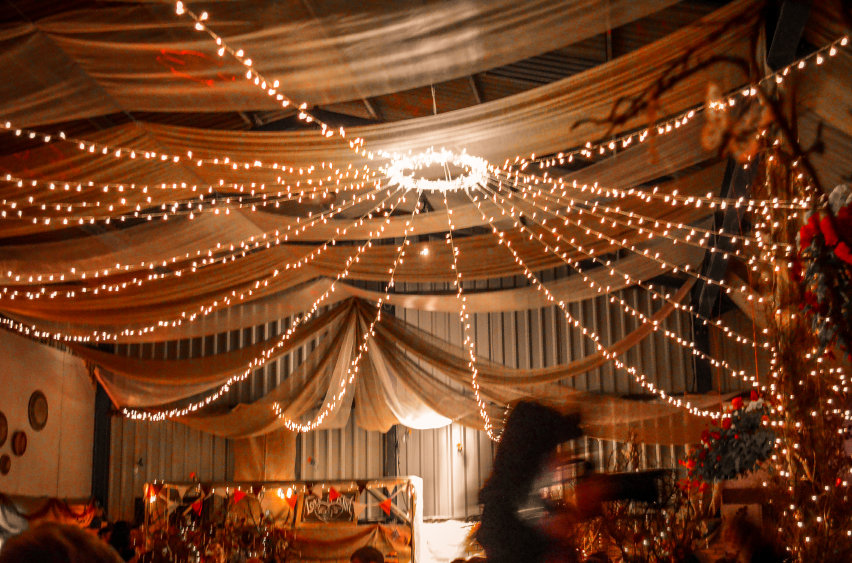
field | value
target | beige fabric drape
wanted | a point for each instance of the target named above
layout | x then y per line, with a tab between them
570	289
136	382
271	457
140	382
393	386
146	58
389	379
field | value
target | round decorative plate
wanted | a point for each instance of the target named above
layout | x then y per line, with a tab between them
5	464
4	429
19	443
37	410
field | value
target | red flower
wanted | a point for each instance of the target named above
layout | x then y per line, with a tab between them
702	454
726	423
826	225
842	251
715	435
705	436
690	463
754	395
718	458
808	230
703	487
737	402
736	436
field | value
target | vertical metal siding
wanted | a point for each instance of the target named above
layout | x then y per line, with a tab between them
522	339
168	451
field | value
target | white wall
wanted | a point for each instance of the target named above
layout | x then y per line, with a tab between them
58	459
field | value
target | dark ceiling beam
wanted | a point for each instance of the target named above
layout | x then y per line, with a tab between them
789	26
372	109
474	87
333	119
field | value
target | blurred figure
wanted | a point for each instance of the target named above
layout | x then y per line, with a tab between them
57	543
532	431
105	532
751	543
121	542
367	554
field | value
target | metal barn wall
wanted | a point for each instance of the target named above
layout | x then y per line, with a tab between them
346	453
141	452
453	461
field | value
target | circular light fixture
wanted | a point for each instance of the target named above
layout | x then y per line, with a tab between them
401	171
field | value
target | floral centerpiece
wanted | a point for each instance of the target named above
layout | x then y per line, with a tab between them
734	446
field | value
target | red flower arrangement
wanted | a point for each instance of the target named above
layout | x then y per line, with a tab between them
824	269
734	447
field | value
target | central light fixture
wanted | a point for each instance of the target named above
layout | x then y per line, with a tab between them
402	171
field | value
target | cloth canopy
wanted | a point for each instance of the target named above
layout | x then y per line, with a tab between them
401	380
145	58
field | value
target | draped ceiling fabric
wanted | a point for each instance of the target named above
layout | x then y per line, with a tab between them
93	62
394	384
171	296
146	58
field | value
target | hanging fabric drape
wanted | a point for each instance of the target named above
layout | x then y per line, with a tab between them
394	387
570	289
135	382
257	275
146	58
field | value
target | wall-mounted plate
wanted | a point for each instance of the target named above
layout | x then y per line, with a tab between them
19	442
5	464
37	410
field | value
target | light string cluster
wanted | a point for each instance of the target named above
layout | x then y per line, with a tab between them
349	379
207	308
220	254
591	150
327	132
591	335
621	244
260	360
613	271
627	308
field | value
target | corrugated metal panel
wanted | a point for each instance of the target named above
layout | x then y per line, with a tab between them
347	453
521	339
141	452
533	339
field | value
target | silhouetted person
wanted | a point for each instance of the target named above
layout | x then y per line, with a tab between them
120	540
57	543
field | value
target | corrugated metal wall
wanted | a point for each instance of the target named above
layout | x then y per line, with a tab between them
453	461
141	452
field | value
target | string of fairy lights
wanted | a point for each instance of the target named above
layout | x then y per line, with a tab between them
349	380
541	194
469	344
264	356
217	255
211	305
591	150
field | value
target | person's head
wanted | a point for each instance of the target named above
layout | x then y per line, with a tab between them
367	555
57	543
119	539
